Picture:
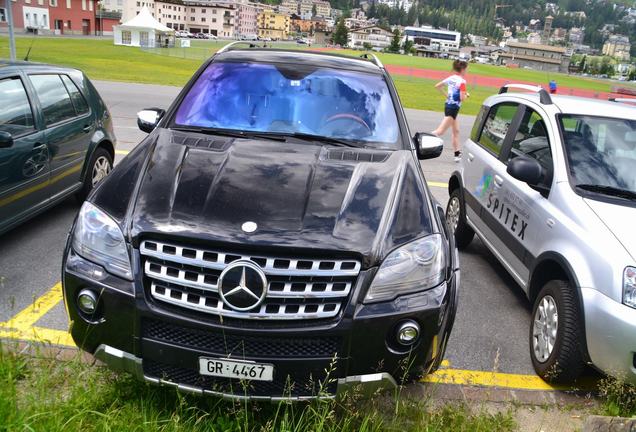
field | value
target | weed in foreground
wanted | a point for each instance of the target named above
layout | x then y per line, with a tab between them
619	398
42	394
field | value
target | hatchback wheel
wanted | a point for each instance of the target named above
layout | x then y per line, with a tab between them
456	220
100	165
556	334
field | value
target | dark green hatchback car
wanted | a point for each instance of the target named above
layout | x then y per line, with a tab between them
56	138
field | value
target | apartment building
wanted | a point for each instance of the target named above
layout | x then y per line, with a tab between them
273	25
288	7
617	46
52	16
246	19
218	18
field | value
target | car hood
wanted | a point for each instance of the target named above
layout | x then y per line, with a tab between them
300	195
618	219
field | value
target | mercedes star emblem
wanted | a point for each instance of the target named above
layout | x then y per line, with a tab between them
242	285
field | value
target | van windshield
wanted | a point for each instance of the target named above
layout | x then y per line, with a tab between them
288	99
601	154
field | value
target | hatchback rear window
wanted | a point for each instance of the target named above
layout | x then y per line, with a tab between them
261	97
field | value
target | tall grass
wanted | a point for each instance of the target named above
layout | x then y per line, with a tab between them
44	394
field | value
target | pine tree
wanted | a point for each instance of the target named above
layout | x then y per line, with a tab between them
341	34
395	42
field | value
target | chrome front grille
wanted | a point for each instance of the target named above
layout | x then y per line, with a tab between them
297	288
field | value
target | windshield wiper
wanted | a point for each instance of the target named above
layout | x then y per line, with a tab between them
609	190
323	139
229	133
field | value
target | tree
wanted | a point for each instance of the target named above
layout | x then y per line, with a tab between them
341	34
407	46
395	42
314	10
367	46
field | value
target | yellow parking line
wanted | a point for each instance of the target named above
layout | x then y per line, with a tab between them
26	318
489	379
437	184
22	327
122	152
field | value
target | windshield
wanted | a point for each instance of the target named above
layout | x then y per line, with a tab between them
601	152
291	99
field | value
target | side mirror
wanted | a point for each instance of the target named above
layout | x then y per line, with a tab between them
525	169
428	145
148	118
6	140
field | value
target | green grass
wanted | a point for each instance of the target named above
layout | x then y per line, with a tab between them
101	60
619	398
419	93
49	395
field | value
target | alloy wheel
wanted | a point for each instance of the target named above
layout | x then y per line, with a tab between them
544	330
452	213
100	169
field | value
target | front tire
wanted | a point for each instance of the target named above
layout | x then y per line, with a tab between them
100	165
556	334
456	220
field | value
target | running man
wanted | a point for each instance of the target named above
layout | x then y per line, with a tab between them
455	94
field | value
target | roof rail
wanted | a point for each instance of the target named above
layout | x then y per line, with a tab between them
251	44
623	100
544	96
373	58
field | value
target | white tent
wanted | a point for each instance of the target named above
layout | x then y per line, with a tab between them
143	30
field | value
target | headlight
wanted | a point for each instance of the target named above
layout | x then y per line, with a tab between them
629	287
416	266
98	239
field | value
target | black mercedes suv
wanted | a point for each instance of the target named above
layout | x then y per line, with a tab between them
272	238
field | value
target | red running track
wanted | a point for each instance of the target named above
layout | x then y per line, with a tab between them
487	81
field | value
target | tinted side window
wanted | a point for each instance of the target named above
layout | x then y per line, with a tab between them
496	126
54	99
16	116
81	107
531	140
474	133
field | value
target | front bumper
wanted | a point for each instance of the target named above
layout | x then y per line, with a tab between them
125	362
134	333
610	329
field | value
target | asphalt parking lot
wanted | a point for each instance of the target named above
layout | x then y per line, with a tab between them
490	333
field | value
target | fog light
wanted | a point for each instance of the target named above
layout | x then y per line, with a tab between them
408	333
87	301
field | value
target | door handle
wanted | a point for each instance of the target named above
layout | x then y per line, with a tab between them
498	180
87	128
470	157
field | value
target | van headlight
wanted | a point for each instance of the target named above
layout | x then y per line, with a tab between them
97	238
416	266
629	287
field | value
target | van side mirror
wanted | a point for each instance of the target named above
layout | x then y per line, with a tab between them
6	139
525	169
428	146
148	118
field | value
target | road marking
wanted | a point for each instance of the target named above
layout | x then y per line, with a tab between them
25	320
437	184
22	327
490	379
430	183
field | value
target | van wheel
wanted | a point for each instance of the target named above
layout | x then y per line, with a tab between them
100	165
556	334
456	220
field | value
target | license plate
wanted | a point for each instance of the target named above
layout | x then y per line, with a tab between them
236	369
